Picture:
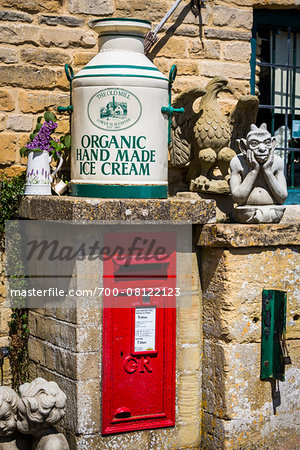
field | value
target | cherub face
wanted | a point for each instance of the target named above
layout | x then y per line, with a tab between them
7	420
261	145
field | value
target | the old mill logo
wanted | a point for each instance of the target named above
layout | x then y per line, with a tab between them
114	109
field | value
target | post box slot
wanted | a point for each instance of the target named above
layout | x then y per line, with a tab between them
140	271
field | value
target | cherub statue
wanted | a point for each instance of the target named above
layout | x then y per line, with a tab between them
203	139
41	405
257	181
9	437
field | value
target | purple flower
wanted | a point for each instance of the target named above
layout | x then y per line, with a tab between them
42	139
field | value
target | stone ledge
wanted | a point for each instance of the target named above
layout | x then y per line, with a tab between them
129	210
243	235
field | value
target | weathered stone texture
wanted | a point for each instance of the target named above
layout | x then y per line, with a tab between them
235	18
233	70
204	49
174	46
93	7
19	123
2	122
8	147
8	55
6	100
64	38
14	16
33	6
45	57
239	51
66	208
19	34
238	406
68	21
27	77
227	34
82	58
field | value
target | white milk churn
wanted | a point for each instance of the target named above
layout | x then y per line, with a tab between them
119	132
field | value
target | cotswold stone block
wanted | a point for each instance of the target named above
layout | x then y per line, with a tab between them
19	34
204	49
19	123
217	33
33	6
63	125
64	37
127	441
93	7
33	102
188	359
8	148
174	46
237	51
62	81
232	17
45	57
13	16
27	77
68	21
2	127
240	71
187	68
8	55
82	58
188	398
88	394
187	30
6	101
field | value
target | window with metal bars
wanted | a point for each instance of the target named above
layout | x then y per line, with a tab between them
275	71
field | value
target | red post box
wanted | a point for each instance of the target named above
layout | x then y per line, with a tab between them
139	332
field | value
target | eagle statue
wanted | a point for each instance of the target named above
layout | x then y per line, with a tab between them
204	140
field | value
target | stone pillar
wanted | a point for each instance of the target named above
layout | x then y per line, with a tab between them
237	263
66	345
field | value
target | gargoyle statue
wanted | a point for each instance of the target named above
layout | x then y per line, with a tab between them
204	140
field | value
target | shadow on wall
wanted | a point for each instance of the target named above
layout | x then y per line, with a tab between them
170	31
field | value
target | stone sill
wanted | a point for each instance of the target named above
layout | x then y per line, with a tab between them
130	210
243	235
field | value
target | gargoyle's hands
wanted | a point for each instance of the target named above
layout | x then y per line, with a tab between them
269	163
253	164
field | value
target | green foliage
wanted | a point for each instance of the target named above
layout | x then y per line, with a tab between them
11	191
54	146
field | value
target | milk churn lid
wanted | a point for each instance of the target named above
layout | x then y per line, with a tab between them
121	24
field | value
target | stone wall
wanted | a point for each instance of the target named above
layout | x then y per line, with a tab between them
37	38
239	410
65	345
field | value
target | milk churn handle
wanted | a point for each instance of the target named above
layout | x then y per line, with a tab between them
169	110
70	75
69	72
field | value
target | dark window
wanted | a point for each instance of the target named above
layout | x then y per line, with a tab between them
276	62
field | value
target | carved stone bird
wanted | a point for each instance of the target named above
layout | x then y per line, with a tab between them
202	139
